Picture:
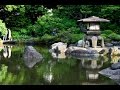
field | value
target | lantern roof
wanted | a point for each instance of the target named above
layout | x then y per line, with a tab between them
94	19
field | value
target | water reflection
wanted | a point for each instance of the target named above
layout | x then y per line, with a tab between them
58	55
68	71
48	75
115	59
92	68
7	51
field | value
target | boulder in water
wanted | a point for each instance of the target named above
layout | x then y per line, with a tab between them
31	56
59	47
112	74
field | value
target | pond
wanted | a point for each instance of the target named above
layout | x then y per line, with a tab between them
54	69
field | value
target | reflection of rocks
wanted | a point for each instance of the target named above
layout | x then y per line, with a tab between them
115	59
58	55
31	56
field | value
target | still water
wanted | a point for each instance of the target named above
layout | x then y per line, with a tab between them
54	69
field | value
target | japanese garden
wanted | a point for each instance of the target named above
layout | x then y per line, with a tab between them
60	44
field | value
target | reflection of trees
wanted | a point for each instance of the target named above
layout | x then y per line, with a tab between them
7	77
55	72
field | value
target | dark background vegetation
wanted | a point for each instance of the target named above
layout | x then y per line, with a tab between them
35	22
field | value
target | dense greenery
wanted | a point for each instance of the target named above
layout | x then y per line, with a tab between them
48	24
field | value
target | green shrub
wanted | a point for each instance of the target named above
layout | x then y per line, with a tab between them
47	38
49	24
104	36
114	36
76	37
3	28
107	32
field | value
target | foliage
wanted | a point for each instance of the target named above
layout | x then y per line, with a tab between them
38	21
107	32
109	35
47	38
3	28
114	36
10	7
3	72
76	37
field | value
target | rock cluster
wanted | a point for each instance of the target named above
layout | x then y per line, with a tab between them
112	72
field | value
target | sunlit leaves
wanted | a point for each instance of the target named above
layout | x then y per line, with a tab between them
3	28
10	7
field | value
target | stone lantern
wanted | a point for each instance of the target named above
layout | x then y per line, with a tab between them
92	36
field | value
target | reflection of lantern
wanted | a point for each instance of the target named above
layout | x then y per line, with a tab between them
92	75
93	64
92	68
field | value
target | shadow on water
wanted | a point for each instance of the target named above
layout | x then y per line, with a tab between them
55	69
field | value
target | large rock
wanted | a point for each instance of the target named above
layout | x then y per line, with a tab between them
31	56
88	54
112	74
116	43
60	46
85	52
